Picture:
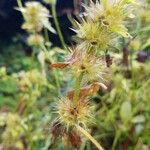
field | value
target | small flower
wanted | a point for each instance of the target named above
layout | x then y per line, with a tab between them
71	115
36	17
35	40
10	137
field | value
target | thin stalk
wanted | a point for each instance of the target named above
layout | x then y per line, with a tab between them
45	51
77	89
89	137
54	14
116	139
131	62
54	70
46	35
19	3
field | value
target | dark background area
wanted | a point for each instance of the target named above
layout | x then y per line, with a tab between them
11	20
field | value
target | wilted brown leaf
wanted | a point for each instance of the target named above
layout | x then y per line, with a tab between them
74	139
69	61
60	65
88	90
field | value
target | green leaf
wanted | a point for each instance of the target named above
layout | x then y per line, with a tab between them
138	119
8	86
126	111
48	26
146	44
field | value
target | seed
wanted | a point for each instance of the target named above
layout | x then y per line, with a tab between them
105	23
102	17
94	43
83	67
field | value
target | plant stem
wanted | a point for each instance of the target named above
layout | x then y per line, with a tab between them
89	137
116	139
54	70
19	3
46	36
58	27
77	89
131	62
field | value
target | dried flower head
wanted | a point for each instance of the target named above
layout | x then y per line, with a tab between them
36	17
93	35
103	19
115	15
87	63
92	67
71	115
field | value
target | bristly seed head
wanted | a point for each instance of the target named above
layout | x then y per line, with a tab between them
92	67
70	115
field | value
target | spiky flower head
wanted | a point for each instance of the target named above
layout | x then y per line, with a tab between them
104	22
92	67
94	35
36	17
70	115
110	14
86	63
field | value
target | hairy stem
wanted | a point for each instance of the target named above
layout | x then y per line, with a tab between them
89	137
77	89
